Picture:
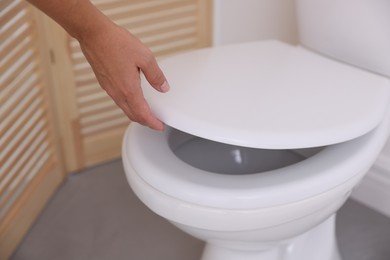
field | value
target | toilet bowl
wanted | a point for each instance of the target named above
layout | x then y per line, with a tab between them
264	141
262	209
267	189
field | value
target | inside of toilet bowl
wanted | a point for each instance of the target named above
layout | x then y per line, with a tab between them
230	159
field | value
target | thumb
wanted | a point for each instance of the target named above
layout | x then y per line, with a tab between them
155	76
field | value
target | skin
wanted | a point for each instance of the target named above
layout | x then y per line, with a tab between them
116	56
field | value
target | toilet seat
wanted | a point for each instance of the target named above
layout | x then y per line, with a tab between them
148	153
268	95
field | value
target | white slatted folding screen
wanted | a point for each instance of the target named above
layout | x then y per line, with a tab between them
29	165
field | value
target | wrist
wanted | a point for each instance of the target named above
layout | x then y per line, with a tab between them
84	20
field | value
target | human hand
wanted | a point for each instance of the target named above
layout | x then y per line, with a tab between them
117	58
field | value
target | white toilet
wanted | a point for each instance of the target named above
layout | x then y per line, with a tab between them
265	141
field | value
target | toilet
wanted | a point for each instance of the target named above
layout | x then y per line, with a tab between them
264	141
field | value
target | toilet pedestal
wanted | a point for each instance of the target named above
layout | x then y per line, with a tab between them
316	244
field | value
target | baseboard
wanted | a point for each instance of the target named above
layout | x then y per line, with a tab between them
374	190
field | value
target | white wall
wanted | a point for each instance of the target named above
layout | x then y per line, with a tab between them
249	20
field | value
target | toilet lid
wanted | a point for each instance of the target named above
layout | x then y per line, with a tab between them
268	95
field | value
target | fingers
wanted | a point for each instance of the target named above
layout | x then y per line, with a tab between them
157	80
153	73
137	109
142	114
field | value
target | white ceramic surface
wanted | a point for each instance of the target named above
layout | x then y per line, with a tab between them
269	95
353	31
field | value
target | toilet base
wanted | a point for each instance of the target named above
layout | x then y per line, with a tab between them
316	244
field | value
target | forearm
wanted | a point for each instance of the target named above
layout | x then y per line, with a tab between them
79	18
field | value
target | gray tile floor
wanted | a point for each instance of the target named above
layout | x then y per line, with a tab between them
95	215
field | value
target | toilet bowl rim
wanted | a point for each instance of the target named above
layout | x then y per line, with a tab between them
222	219
148	152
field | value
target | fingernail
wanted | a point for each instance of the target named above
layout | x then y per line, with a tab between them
159	128
165	87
